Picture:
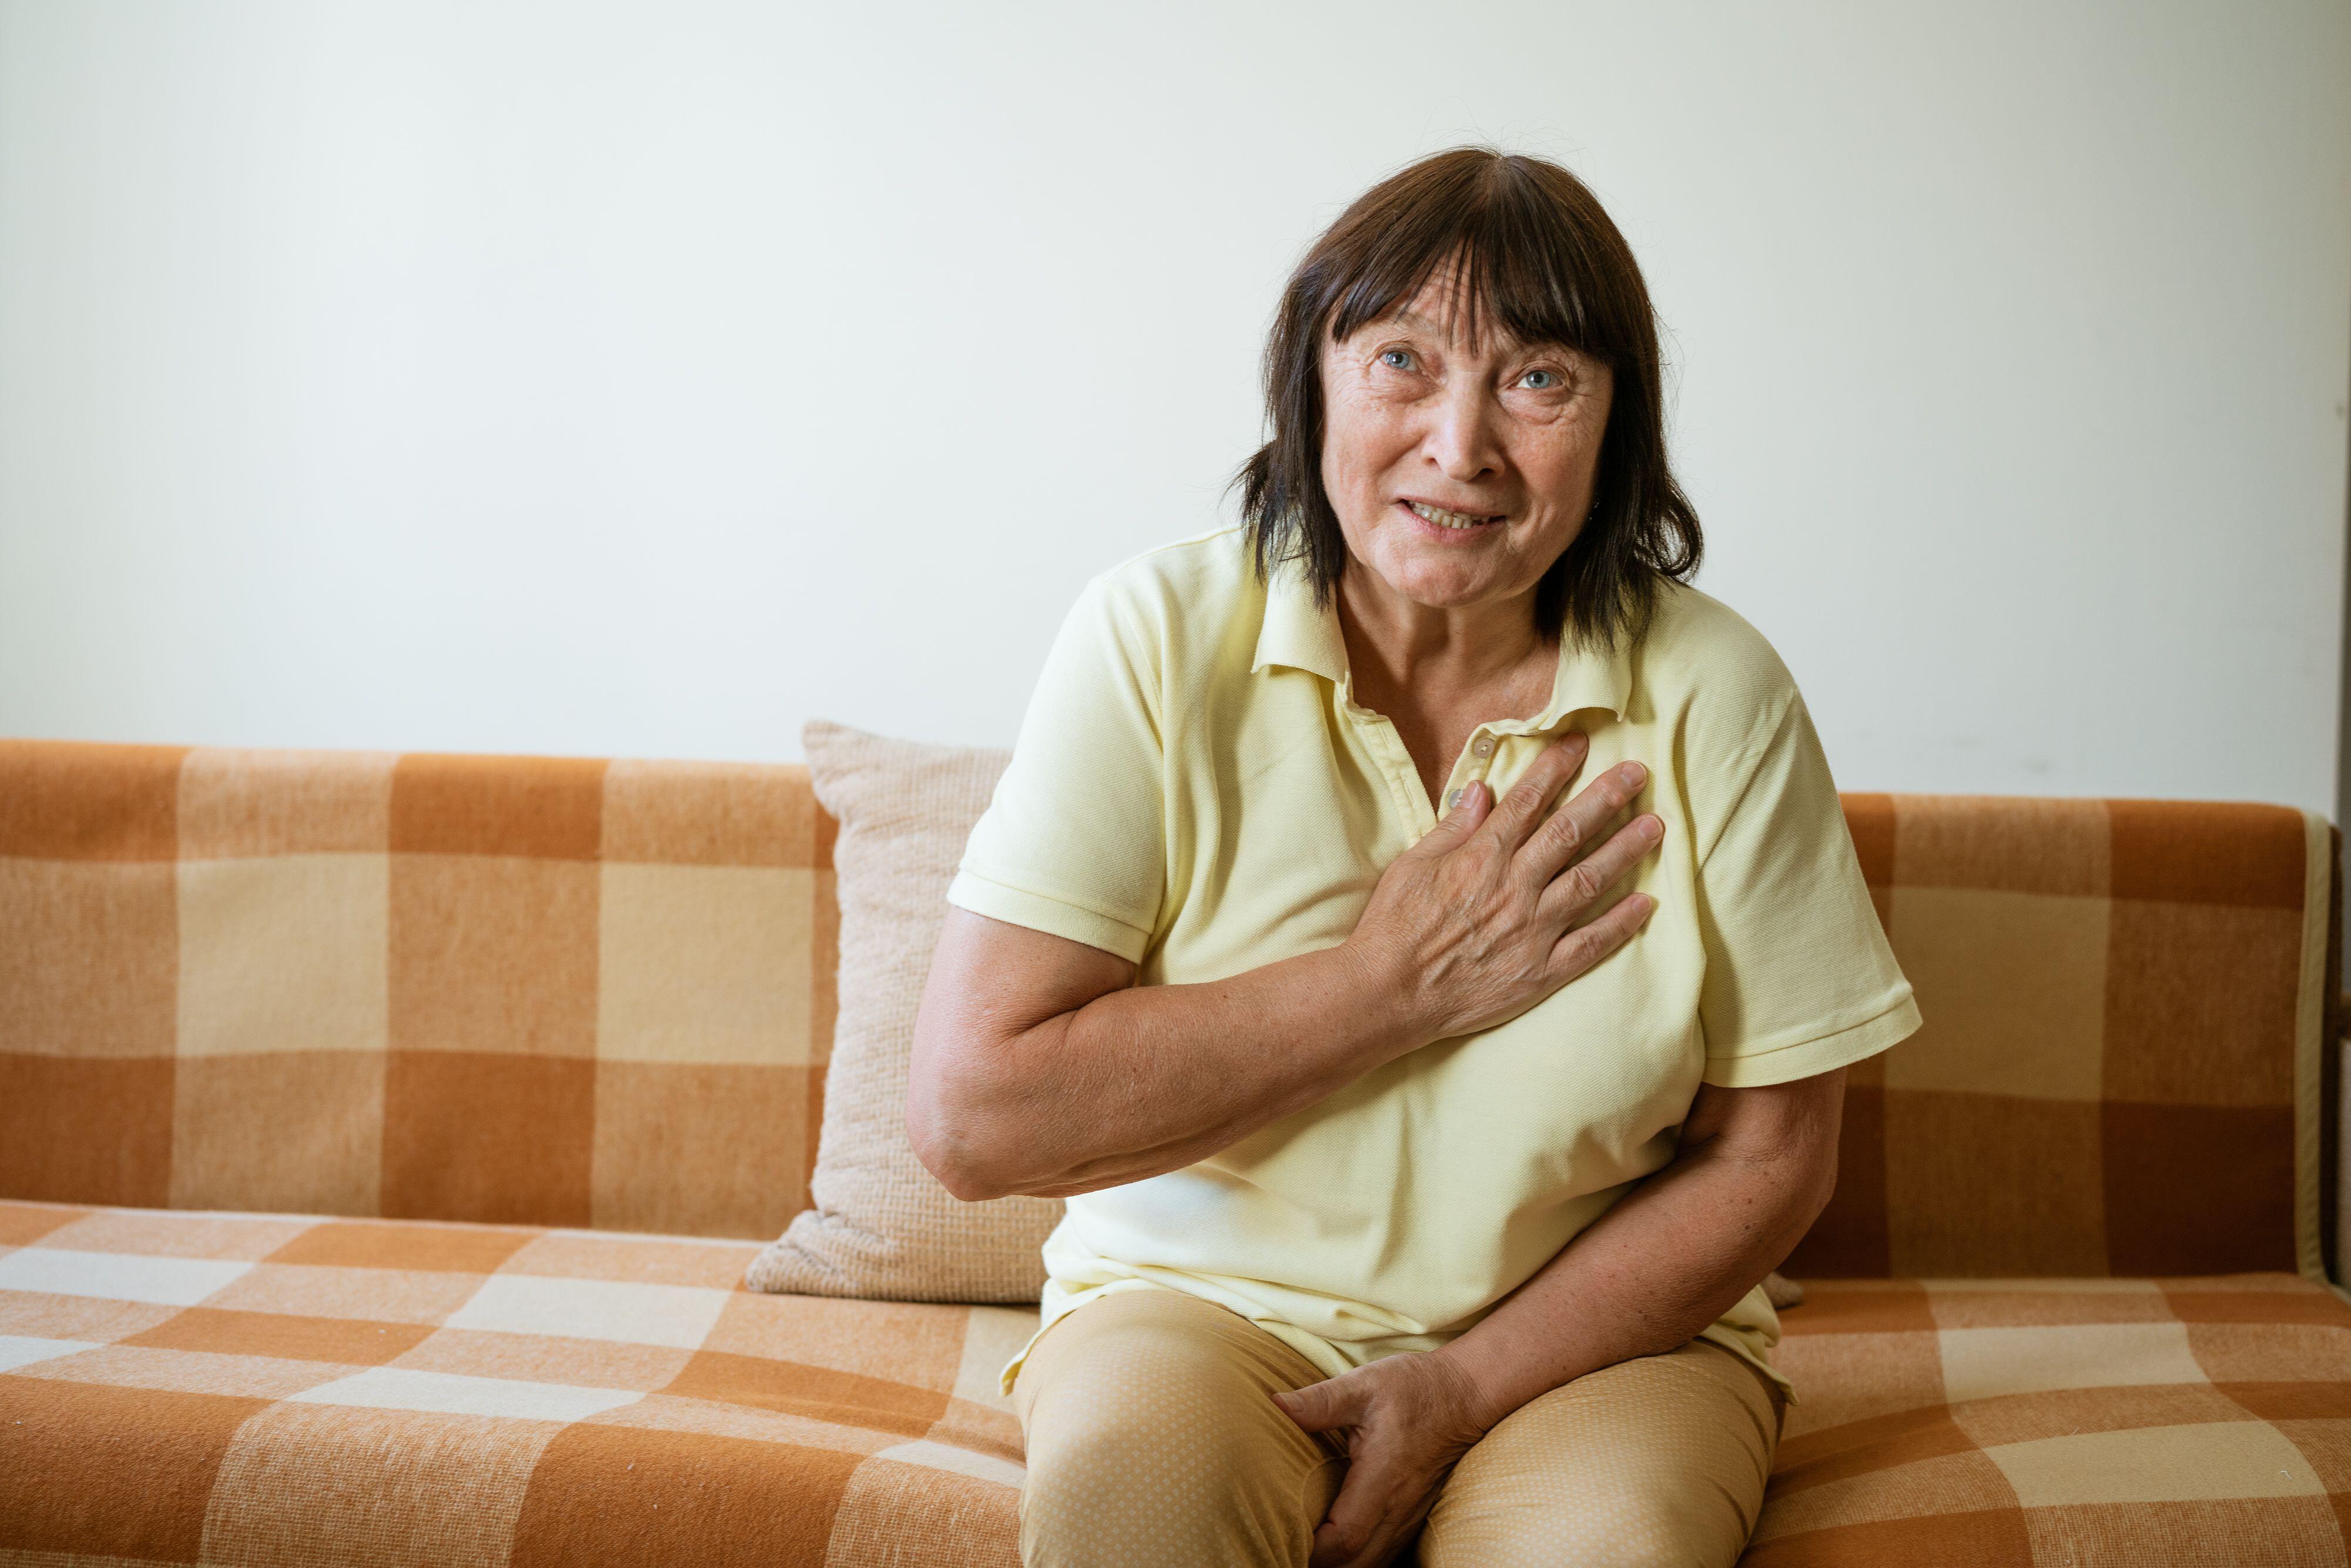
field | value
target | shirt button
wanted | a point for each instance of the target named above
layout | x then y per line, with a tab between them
1453	799
1485	747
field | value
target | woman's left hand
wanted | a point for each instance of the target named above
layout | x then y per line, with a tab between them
1406	1420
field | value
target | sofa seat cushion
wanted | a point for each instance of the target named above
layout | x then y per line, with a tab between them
183	1388
2142	1422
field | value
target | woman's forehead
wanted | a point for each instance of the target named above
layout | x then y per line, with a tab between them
1444	319
1466	301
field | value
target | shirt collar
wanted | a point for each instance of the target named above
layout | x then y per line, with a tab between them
1298	635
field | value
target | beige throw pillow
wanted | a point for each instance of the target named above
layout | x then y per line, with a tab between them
880	1225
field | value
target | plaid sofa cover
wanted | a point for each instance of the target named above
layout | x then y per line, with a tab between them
383	1140
513	989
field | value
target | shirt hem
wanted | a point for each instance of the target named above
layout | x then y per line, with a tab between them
1332	1363
1055	916
1734	1341
1822	1053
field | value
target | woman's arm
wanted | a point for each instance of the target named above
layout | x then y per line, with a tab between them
1754	1170
1040	1067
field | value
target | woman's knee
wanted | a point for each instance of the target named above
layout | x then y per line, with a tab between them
1153	1438
1136	1488
1658	1461
1618	1530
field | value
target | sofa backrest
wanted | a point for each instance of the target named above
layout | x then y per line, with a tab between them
2128	1059
600	994
522	989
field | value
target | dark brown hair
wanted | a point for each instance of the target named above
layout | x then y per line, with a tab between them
1538	254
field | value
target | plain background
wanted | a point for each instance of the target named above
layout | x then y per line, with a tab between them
642	379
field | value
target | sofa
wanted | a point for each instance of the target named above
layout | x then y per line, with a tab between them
383	1139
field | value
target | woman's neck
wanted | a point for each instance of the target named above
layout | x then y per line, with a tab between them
1396	645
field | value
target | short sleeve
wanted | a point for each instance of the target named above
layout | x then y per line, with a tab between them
1800	979
1072	842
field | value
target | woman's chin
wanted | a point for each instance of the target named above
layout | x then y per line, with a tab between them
1440	573
1439	582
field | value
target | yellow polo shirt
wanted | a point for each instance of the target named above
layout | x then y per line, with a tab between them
1194	788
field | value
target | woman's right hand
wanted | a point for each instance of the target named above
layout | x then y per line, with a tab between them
1480	920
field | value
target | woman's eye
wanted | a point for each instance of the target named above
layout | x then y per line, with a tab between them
1540	381
1396	359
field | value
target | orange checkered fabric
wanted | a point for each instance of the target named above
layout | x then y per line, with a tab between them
585	993
2128	1062
183	1388
2003	1424
188	1388
525	990
329	1082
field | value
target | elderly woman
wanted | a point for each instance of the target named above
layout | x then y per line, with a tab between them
1419	936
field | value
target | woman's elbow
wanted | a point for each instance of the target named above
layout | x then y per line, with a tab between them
950	1138
1818	1184
966	1181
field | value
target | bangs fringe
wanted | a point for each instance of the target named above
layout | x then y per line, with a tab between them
1515	270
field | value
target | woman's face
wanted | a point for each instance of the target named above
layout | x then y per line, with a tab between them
1459	471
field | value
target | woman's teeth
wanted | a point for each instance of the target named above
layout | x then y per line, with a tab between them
1445	519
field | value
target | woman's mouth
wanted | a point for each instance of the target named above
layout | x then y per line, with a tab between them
1446	520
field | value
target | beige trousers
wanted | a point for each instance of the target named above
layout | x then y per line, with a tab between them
1151	1444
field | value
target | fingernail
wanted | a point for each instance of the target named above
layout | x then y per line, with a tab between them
1633	772
1651	829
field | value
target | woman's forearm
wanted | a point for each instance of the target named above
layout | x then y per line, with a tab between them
1671	1257
1154	1078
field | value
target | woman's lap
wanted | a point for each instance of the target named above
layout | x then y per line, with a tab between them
1152	1438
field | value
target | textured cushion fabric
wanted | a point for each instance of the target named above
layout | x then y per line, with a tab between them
2007	1423
184	1387
2128	1065
180	1387
881	1225
536	991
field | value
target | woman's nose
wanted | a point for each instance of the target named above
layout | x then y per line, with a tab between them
1460	440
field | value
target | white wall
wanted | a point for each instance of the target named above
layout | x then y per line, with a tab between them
642	379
